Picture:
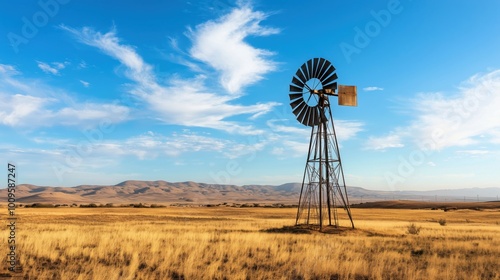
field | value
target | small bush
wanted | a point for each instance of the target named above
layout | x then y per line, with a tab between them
91	205
442	222
41	205
413	229
140	205
157	206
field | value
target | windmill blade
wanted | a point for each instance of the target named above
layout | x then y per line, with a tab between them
297	82
327	73
305	71
301	77
308	119
296	103
294	96
299	108
332	86
329	80
315	67
322	68
295	88
303	114
317	118
313	116
310	67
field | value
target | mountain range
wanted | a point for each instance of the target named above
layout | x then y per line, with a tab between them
163	192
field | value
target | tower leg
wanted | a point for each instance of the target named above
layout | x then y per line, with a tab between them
323	184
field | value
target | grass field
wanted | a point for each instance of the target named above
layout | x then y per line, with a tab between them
229	243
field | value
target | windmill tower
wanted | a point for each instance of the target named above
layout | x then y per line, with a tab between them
323	189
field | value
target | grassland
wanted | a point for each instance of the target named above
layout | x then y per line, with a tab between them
230	243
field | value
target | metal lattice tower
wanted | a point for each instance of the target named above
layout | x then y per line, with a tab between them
323	189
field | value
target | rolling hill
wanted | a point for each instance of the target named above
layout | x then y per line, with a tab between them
200	193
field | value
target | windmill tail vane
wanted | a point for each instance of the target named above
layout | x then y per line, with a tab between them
323	189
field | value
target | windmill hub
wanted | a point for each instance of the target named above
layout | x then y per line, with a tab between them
323	185
327	91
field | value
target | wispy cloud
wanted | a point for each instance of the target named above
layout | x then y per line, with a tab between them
189	101
382	143
372	88
84	83
344	129
347	129
54	69
8	69
468	117
465	118
152	145
221	44
82	65
31	103
293	141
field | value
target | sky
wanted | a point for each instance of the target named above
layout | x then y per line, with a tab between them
99	92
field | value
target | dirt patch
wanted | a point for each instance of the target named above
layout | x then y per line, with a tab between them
446	206
315	229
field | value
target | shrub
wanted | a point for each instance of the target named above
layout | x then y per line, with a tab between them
157	206
41	205
413	229
442	222
91	205
140	205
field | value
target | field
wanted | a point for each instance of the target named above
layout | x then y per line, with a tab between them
232	243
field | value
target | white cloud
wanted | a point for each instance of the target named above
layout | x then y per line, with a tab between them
89	112
52	69
82	65
47	68
31	103
84	83
153	145
372	88
468	117
8	69
221	44
179	101
346	129
281	128
382	143
17	108
293	141
495	137
296	148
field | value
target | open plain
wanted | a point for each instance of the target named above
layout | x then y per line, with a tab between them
246	243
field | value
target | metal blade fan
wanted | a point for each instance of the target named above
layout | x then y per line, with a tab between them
311	82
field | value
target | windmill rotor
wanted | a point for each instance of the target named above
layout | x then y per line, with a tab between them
314	79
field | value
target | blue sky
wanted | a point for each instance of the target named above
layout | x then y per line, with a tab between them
98	92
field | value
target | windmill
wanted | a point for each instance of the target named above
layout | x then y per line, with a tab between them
323	188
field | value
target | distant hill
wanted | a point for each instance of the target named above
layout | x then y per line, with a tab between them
201	193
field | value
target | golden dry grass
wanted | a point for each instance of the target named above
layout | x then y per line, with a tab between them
228	243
